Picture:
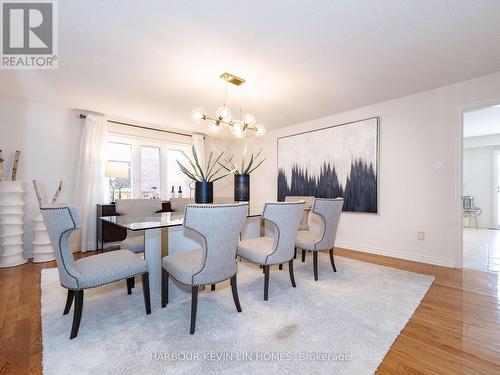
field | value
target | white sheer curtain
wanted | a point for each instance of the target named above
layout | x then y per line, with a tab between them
199	146
90	177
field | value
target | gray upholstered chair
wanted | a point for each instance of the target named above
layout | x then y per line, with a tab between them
217	227
179	204
267	251
323	220
137	208
309	201
92	271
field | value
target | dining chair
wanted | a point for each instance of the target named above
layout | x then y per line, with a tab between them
323	221
308	203
216	228
137	208
92	271
266	251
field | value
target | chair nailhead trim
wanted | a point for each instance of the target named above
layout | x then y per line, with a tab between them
109	282
204	238
63	233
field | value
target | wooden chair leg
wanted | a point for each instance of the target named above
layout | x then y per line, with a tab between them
303	255
164	287
266	282
234	289
295	253
280	267
212	287
69	301
315	264
290	269
194	306
145	291
77	313
129	285
332	261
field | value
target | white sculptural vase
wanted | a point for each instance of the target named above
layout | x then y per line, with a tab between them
42	247
11	223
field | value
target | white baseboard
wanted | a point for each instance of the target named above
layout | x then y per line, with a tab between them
397	254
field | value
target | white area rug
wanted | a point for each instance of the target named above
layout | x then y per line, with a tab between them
343	324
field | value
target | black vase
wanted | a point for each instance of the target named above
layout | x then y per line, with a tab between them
204	192
242	187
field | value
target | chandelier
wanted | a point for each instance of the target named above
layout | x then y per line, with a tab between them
239	127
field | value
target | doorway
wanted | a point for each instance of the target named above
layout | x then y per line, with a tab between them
481	189
496	189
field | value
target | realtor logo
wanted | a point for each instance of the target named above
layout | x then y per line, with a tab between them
29	35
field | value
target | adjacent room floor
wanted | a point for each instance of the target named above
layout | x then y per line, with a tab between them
482	249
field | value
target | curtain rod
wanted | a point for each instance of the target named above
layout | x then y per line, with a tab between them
142	127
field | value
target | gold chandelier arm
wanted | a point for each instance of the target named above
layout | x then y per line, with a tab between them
229	123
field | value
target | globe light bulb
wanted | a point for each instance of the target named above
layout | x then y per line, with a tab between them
238	129
198	115
260	130
213	127
249	119
224	113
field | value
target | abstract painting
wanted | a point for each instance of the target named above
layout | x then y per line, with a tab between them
338	161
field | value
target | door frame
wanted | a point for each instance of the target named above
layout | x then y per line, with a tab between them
459	168
495	154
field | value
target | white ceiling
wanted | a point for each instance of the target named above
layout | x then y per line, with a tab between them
484	121
153	61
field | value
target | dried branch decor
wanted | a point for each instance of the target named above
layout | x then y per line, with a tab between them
197	173
253	164
40	197
38	193
1	166
56	194
16	163
14	167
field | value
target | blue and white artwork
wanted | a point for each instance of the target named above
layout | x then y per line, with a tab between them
338	161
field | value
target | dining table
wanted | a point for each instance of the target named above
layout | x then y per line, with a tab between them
164	235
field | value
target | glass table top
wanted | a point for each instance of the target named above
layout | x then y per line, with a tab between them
158	220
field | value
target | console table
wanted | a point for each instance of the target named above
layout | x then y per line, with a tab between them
107	232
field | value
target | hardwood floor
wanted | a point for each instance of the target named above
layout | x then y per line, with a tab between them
455	330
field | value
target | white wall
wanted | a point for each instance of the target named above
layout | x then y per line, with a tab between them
49	140
416	133
478	179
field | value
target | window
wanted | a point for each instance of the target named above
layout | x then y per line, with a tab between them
121	152
176	179
152	164
150	169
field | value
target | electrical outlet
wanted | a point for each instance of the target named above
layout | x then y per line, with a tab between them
420	235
